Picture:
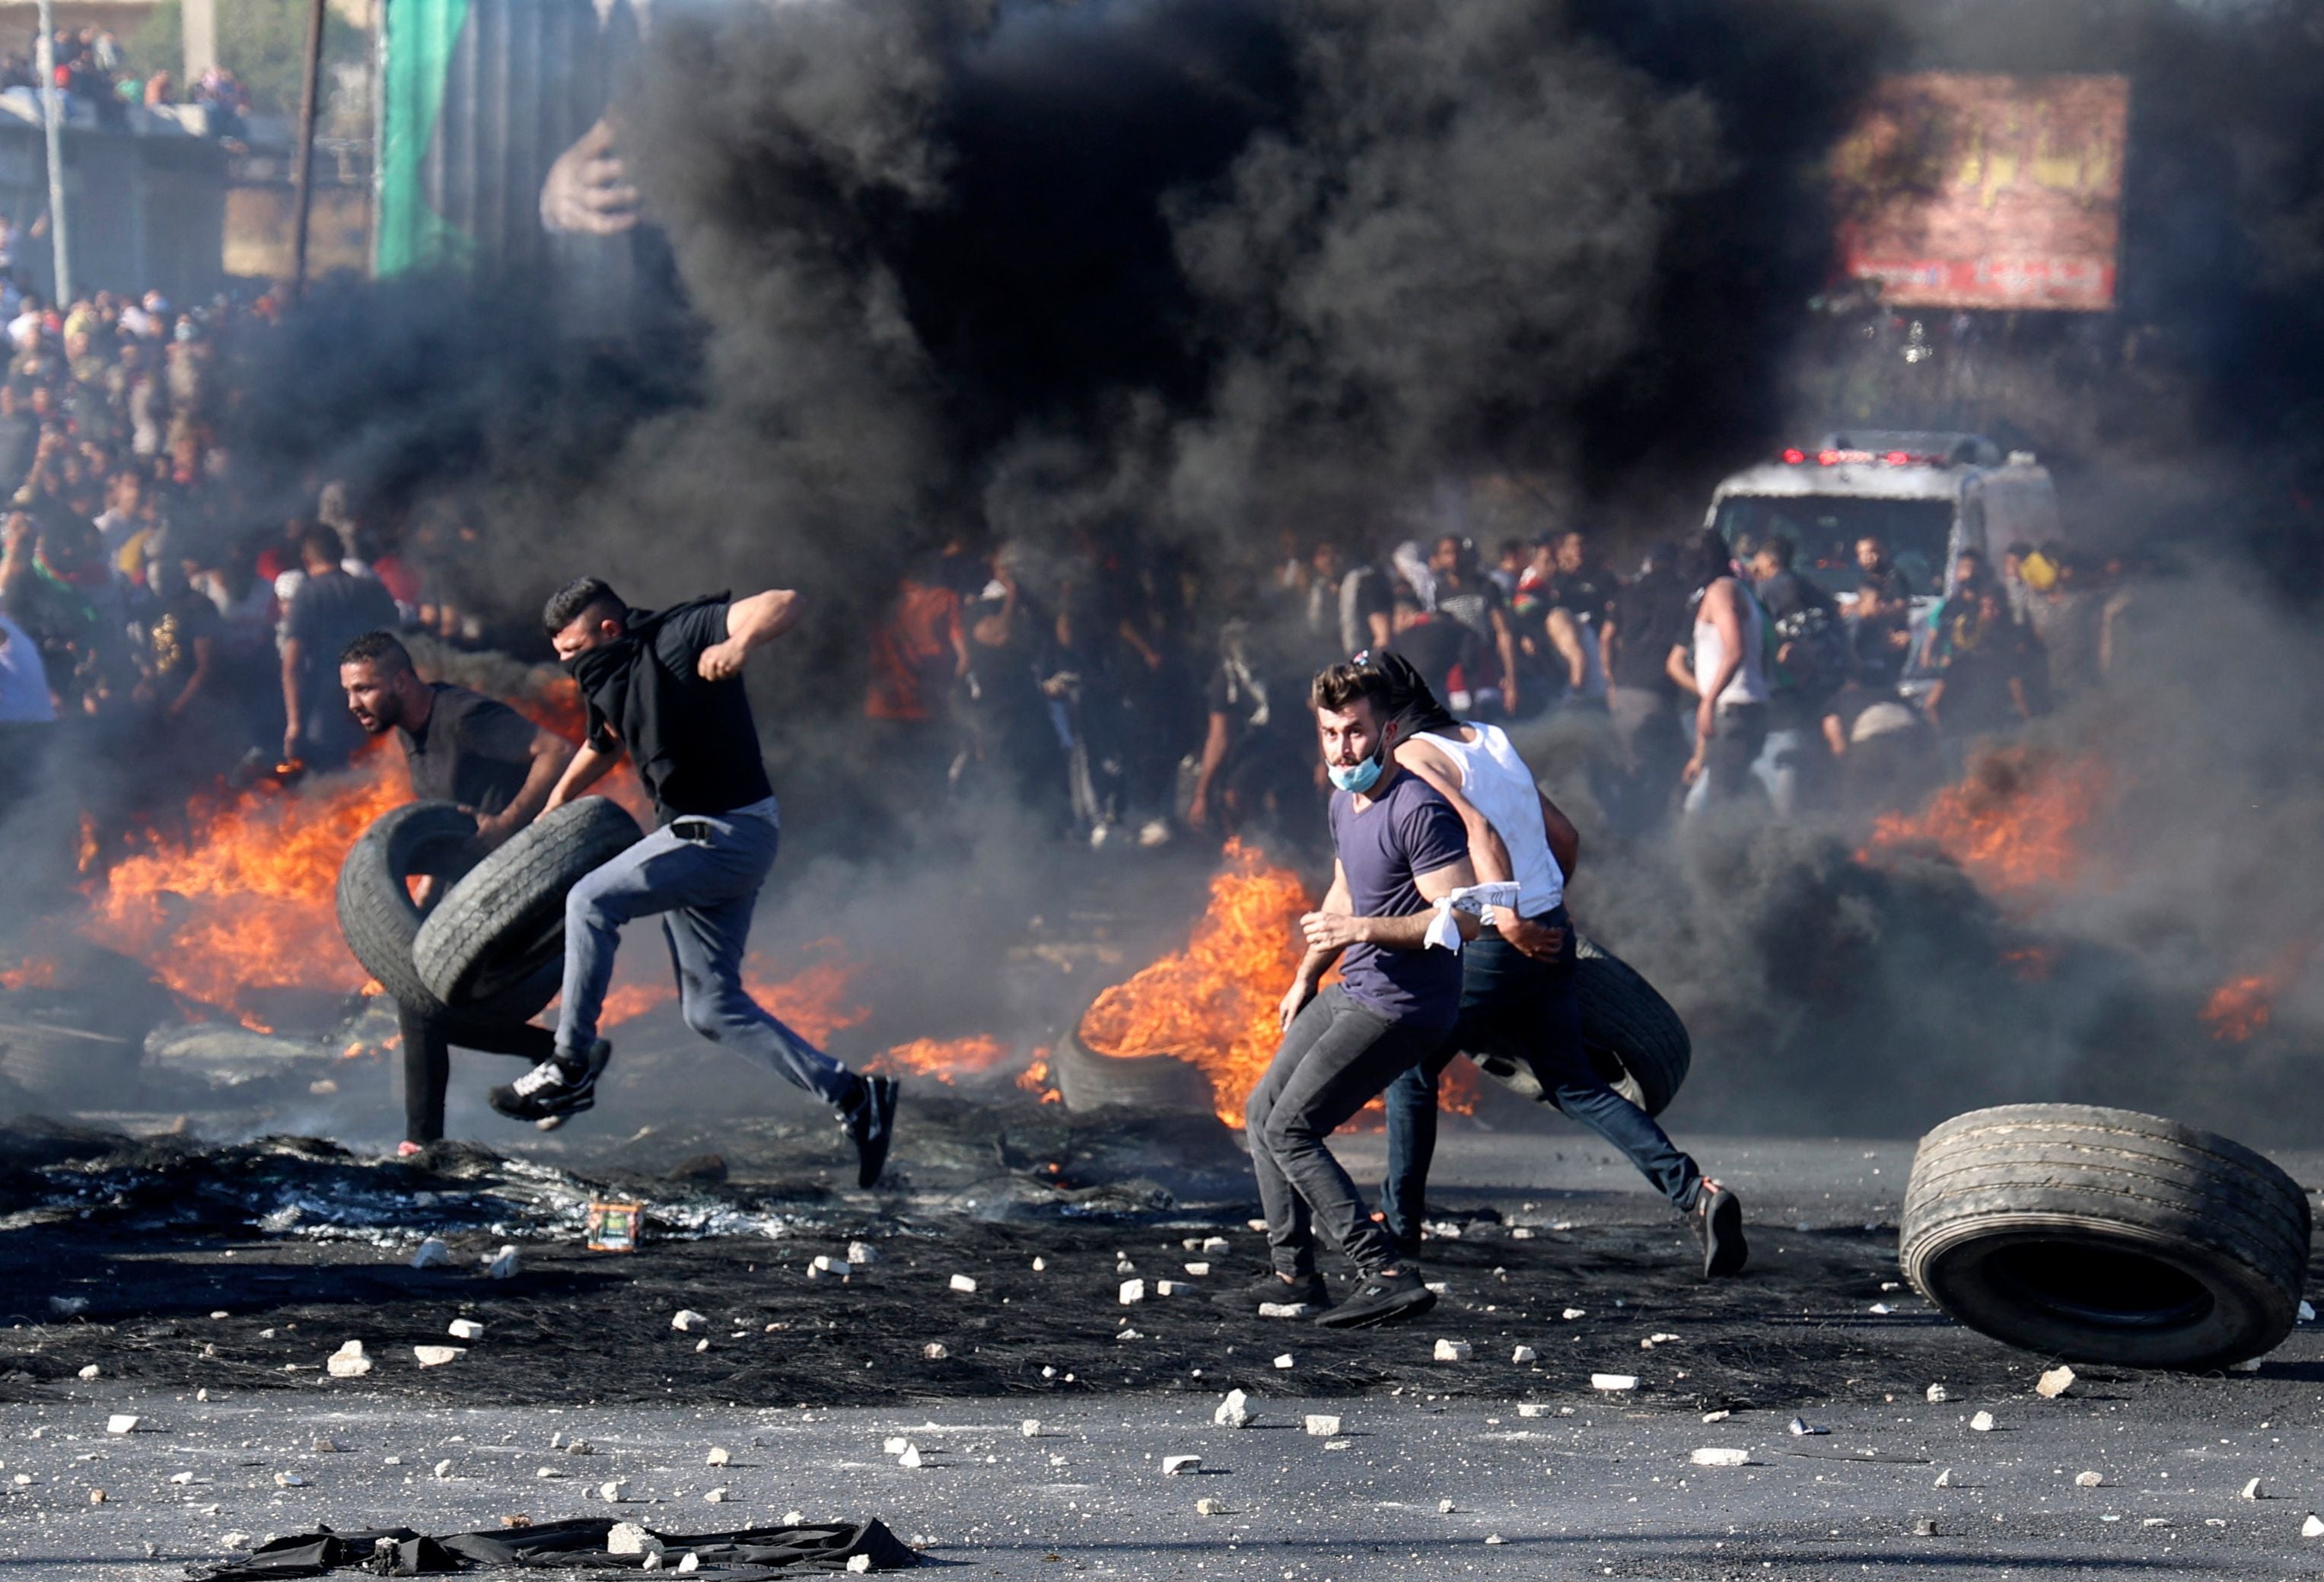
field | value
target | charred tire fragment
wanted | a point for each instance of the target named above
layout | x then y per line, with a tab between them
1087	1080
68	1065
380	920
2104	1236
504	924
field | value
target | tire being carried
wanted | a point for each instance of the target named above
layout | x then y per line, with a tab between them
1634	1039
2104	1236
504	924
380	920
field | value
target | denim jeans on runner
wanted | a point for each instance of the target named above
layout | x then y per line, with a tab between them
703	885
1528	1011
1337	1056
1738	734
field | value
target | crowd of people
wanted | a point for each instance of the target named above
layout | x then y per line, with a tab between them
91	66
1806	677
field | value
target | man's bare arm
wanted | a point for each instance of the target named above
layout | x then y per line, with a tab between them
1564	840
750	624
1317	959
589	766
552	756
293	650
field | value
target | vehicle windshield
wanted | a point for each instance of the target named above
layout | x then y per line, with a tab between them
1824	528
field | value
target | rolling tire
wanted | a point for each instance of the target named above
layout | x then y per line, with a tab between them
504	924
68	1066
1086	1079
1633	1037
2104	1236
380	921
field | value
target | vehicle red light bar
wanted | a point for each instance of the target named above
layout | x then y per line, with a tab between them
1837	458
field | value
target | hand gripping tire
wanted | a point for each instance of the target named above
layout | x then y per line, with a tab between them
1634	1039
380	920
2104	1236
504	923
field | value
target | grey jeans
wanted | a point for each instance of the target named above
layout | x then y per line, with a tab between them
704	888
1336	1058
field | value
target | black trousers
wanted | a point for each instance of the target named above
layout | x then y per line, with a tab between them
427	1062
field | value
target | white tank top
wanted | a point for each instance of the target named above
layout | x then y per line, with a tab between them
1750	683
1498	784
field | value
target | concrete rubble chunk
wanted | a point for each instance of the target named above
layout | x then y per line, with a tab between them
437	1355
613	1491
90	1372
1040	1265
466	1329
1533	1409
911	1456
2307	1313
1721	1415
1525	1354
1320	1427
1198	1271
1214	1244
1925	1527
1453	1351
1284	1309
121	1422
1716	1456
1937	1394
686	1318
327	1446
1614	1382
716	1496
1234	1412
718	1456
1133	1291
1173	1466
653	1562
1494	1538
1285	1361
862	1254
1573	1313
433	1253
2251	1491
348	1362
1944	1479
1651	1341
894	1445
1800	1428
627	1538
936	1351
504	1266
2054	1383
859	1564
1129	1334
692	1560
2088	1479
1981	1423
289	1480
1030	1428
444	1468
2311	1528
1210	1508
1445	1507
824	1263
1171	1287
2249	1365
181	1478
68	1306
963	1284
1259	1225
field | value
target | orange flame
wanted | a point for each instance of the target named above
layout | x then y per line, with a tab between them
1213	1003
2010	823
2243	1007
815	1001
946	1059
39	972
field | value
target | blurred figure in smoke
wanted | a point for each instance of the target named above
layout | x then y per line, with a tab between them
1020	735
1726	670
471	750
1983	663
1883	612
1251	768
1646	621
330	609
1466	595
55	584
28	715
1811	661
666	687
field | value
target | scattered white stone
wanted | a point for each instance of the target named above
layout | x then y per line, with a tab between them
1171	1287
1210	1508
1981	1423
504	1264
1172	1466
1573	1313
2088	1479
181	1478
686	1318
1283	1361
1256	1224
1445	1507
1800	1429
963	1283
702	1344
2251	1491
718	1456
1213	1244
716	1496
1320	1427
327	1446
1494	1538
1234	1412
894	1445
1881	1308
1525	1354
1133	1291
234	1540
2307	1313
1453	1351
466	1329
824	1263
1284	1309
1944	1479
1937	1396
1721	1415
1614	1382
90	1372
862	1254
1714	1456
432	1254
2249	1365
690	1560
2311	1528
444	1468
653	1562
859	1564
1039	1265
911	1456
289	1480
1198	1271
1125	1267
437	1355
2055	1383
613	1491
348	1362
1651	1341
121	1422
936	1351
1129	1334
1441	1287
1532	1408
1030	1428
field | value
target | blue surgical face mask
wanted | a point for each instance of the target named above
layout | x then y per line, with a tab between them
1362	774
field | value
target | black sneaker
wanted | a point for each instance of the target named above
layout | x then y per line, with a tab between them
556	1091
1717	1222
1384	1298
1271	1289
872	1127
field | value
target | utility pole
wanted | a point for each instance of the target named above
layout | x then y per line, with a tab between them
303	175
52	113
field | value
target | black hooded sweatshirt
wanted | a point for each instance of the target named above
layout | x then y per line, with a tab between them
694	741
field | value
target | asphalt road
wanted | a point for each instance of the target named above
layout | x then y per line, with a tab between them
1595	1484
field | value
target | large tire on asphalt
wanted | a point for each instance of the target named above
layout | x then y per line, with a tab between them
1633	1036
2104	1236
504	923
1087	1080
69	1066
380	920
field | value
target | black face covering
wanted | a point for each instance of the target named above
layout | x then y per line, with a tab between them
1412	704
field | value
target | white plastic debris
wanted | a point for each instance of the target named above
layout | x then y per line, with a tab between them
1525	1354
1283	1361
466	1329
963	1283
289	1480
1133	1291
1284	1309
1453	1351
862	1254
348	1362
1614	1382
1234	1412
1320	1427
1172	1466
121	1422
1981	1423
2251	1491
2088	1479
2055	1383
90	1372
686	1318
1937	1396
1801	1428
437	1355
1714	1456
505	1264
432	1254
718	1456
936	1351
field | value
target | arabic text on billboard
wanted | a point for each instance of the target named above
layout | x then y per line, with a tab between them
1956	190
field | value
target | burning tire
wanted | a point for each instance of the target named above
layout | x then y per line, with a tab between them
68	1065
1087	1080
2104	1236
1634	1037
503	925
381	921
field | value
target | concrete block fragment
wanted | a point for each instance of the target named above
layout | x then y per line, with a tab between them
1523	1354
2088	1479
963	1284
1234	1412
862	1254
465	1329
1451	1351
1174	1466
121	1422
1284	1309
936	1351
686	1318
432	1254
1715	1456
1322	1427
505	1264
1133	1291
1283	1361
2055	1383
1615	1382
1981	1423
348	1362
718	1456
437	1355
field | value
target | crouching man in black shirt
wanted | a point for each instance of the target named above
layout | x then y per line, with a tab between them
500	766
667	687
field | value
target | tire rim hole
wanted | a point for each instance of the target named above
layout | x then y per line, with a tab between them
2101	1286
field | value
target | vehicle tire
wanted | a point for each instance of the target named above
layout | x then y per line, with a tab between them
1633	1036
69	1066
1086	1079
2104	1236
380	921
504	924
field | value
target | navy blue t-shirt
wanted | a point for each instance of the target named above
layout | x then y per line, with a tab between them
1409	831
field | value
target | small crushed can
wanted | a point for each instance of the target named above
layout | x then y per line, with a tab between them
614	1228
